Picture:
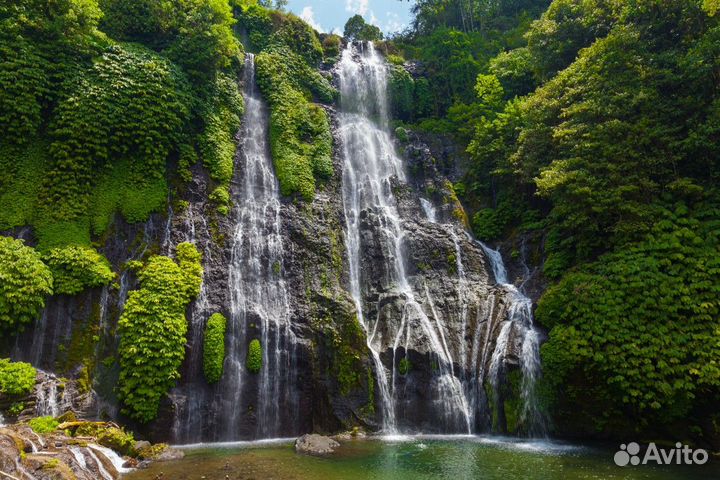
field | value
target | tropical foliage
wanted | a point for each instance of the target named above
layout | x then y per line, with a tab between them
16	378
25	282
153	330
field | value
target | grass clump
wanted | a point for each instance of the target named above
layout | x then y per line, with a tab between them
43	425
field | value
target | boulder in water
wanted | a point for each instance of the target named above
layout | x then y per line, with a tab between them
314	444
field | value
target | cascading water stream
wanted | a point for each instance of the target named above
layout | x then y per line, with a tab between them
520	319
259	303
370	168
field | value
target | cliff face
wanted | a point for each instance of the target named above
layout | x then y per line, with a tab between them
435	352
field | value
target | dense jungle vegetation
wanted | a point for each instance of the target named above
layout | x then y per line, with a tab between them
591	130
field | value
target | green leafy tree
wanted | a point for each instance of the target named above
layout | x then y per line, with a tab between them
357	29
25	283
195	34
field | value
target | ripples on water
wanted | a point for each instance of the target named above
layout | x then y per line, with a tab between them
451	457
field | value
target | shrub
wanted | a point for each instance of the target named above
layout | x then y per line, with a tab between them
153	330
195	34
254	356
16	378
76	268
331	45
400	90
43	424
25	281
214	348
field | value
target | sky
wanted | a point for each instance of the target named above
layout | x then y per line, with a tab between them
330	15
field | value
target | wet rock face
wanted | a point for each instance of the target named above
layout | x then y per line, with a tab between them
433	347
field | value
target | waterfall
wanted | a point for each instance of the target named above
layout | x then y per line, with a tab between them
259	303
429	210
468	351
51	400
191	398
371	166
521	323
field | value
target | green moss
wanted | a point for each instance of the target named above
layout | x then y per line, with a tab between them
300	137
21	174
16	378
153	330
152	452
214	347
26	281
76	268
221	198
222	111
43	424
371	392
108	436
254	356
16	408
452	263
404	366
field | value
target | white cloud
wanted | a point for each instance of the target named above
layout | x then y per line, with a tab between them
308	15
393	23
337	31
357	6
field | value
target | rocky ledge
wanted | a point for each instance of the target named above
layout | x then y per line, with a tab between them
60	448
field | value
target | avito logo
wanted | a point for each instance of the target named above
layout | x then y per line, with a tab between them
680	455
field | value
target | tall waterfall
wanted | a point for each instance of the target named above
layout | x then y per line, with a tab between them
469	349
259	303
371	165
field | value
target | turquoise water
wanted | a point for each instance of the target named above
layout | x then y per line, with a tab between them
415	458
